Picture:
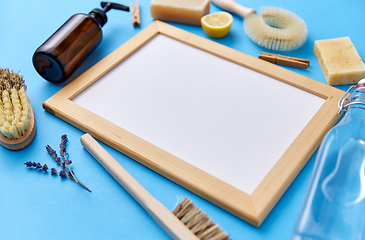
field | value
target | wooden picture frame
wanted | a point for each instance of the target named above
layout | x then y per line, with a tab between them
252	208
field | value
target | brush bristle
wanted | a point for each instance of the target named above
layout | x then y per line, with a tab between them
276	29
198	222
14	105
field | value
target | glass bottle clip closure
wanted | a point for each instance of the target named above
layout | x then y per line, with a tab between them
60	55
334	205
345	103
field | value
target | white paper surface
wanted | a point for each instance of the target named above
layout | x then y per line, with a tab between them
229	121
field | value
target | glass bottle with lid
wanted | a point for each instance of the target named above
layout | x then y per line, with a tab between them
334	204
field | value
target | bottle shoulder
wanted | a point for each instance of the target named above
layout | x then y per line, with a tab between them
83	17
346	129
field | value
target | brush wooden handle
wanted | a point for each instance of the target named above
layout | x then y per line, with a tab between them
160	214
234	7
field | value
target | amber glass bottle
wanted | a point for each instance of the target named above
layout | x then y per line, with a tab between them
59	56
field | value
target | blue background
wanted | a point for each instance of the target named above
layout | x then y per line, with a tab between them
35	205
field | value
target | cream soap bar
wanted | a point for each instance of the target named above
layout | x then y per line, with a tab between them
339	61
181	11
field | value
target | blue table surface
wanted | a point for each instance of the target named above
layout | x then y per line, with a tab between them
35	205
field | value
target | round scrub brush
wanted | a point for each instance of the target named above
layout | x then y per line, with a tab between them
17	121
275	28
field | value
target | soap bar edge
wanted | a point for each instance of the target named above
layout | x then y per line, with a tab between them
180	18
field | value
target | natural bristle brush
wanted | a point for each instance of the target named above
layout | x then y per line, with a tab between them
184	223
275	28
17	121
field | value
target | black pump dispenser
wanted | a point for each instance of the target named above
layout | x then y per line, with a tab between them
100	14
59	56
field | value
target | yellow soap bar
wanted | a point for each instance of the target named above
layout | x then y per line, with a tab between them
181	11
340	62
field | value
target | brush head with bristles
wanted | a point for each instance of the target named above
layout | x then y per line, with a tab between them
198	222
276	29
17	122
14	104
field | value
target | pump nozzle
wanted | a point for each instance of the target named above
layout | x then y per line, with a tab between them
109	5
100	14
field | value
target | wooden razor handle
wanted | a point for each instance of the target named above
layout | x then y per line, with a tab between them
159	213
234	7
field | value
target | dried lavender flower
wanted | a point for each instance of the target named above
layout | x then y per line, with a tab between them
71	174
66	170
62	174
37	166
64	139
45	168
53	171
28	164
53	154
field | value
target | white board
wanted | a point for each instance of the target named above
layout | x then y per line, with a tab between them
229	121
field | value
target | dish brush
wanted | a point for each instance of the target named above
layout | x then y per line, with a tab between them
185	222
276	28
17	121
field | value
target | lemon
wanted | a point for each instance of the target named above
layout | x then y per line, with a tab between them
217	25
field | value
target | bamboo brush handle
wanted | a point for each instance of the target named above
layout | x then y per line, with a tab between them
234	7
159	213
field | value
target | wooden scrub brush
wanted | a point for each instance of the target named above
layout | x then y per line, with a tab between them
17	121
276	28
185	222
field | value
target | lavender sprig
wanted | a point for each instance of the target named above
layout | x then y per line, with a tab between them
38	166
43	168
71	173
53	154
58	160
64	140
66	169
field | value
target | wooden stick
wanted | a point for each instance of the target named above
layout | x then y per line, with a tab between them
136	17
285	60
287	57
159	213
